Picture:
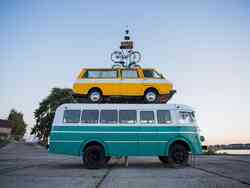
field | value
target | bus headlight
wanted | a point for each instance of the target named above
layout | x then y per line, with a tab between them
202	138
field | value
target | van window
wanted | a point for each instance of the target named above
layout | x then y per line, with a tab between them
127	116
71	116
147	117
129	74
151	74
90	116
108	116
101	74
186	117
163	116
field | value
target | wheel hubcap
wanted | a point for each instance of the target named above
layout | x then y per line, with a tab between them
179	157
95	96
151	96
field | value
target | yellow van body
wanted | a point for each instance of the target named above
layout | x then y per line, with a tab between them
120	85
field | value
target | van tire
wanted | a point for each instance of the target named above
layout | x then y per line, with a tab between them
94	157
95	96
163	159
151	96
178	155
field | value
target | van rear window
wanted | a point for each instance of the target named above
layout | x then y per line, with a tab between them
71	116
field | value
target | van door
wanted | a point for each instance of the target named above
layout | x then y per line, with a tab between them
131	83
148	135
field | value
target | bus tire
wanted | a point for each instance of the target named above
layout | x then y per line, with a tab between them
94	157
178	155
107	159
163	159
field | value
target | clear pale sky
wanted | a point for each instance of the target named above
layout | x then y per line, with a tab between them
203	47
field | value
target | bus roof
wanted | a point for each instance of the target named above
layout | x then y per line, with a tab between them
125	106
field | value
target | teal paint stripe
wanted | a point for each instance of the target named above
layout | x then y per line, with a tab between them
123	132
120	141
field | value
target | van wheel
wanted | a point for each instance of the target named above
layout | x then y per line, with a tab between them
94	157
163	159
178	155
151	96
95	96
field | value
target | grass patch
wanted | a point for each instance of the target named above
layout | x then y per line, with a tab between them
4	142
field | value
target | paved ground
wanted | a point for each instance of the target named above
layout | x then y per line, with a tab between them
25	166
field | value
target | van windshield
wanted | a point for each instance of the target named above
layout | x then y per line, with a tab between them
148	73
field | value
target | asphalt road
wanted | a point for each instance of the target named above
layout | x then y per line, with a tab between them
25	166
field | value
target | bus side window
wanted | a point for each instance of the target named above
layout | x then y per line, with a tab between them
147	117
164	116
127	116
71	116
108	116
90	116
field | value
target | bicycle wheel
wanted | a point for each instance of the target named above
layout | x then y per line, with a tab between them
133	65
135	56
116	66
116	56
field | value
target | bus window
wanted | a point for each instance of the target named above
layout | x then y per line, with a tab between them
90	116
186	117
71	116
108	116
163	116
147	117
127	116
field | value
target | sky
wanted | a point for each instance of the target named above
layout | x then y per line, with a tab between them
203	47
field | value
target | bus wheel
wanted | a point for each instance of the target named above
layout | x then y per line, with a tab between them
95	95
151	96
178	155
107	159
94	157
163	159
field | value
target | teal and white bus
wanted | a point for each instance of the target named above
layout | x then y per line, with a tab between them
97	132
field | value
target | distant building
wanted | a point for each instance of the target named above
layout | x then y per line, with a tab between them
5	128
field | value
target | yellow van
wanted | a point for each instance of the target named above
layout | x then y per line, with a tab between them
138	82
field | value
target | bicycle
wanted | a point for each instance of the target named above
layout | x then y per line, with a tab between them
126	60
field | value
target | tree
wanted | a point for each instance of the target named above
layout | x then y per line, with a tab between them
18	124
45	113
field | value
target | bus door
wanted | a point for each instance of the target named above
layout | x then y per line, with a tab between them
148	137
166	129
125	137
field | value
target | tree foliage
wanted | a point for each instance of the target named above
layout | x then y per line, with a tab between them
18	124
44	114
